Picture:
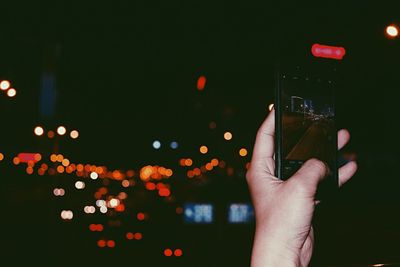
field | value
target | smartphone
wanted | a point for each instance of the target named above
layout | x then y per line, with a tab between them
305	117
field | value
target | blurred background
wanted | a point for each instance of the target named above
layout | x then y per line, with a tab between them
128	126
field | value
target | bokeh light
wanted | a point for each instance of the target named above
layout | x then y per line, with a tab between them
39	131
227	136
178	252
174	145
74	134
61	130
243	152
94	175
11	92
168	252
203	149
156	144
79	185
4	85
67	215
392	31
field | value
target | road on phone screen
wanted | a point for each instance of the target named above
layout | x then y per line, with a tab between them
307	136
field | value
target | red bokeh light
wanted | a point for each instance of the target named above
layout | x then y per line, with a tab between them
140	216
130	236
201	83
111	243
168	252
178	252
101	243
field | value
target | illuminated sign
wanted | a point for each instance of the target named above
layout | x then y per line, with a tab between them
327	51
198	213
240	213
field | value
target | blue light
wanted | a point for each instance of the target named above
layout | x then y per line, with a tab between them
156	144
174	145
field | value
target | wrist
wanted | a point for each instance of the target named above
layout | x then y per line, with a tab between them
270	250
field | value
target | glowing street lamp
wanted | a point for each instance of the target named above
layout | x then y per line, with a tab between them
392	31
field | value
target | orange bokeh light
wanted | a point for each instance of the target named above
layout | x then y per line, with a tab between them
60	169
227	136
74	134
203	149
214	162
188	162
1	156
16	160
243	152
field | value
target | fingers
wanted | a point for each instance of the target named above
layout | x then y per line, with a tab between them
311	173
343	138
346	172
264	145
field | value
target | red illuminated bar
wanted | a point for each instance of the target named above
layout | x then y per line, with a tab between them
326	51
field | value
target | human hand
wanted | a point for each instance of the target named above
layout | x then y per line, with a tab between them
284	209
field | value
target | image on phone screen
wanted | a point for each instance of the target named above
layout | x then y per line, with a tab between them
307	120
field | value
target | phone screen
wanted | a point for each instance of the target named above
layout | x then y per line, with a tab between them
306	118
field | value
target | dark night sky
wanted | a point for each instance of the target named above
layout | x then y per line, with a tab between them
126	75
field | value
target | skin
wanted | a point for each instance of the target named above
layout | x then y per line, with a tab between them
284	210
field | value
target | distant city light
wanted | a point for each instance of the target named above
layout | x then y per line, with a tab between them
203	150
243	152
89	209
130	236
101	243
65	162
94	175
4	85
103	209
38	131
11	92
168	252
110	243
79	185
1	156
61	130
140	216
270	107
50	134
392	31
201	83
174	145
156	144
125	183
67	215
59	192
212	125
74	134
114	202
100	203
178	252
227	136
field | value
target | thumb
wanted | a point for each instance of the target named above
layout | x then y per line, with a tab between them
307	178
